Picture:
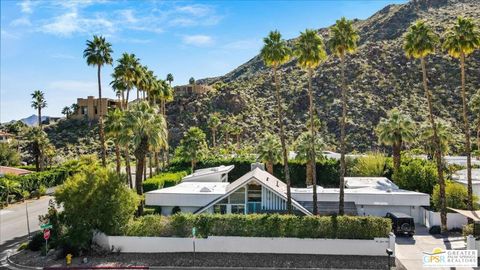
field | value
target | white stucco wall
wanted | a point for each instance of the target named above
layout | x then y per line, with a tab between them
382	210
127	244
454	220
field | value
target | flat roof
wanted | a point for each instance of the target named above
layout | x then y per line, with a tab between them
363	190
13	170
208	171
378	182
206	188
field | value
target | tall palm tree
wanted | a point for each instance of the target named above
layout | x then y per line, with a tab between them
420	41
74	107
38	103
148	130
310	52
269	151
444	135
169	79
193	146
98	53
396	130
213	123
303	148
125	74
275	53
460	41
38	143
343	40
114	124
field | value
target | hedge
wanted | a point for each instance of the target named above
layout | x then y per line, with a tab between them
162	180
32	182
262	225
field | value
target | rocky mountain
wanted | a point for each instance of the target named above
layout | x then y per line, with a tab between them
379	77
32	120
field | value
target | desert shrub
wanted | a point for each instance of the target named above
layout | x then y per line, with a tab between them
162	180
370	165
456	196
9	156
262	225
37	242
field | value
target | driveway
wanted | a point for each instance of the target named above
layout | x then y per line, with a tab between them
409	251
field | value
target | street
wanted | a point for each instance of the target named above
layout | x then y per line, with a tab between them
13	220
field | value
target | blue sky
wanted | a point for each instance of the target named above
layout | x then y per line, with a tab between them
42	41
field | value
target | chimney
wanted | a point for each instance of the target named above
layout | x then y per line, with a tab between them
259	165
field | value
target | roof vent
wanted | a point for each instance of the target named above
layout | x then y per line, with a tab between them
205	189
389	190
259	165
277	183
267	179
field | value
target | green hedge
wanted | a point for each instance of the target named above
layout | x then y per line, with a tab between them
264	225
327	170
32	182
162	180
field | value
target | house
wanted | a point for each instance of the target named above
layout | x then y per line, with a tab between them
89	107
5	137
190	89
215	174
461	178
260	192
12	170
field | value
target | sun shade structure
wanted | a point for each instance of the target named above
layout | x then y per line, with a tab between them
474	215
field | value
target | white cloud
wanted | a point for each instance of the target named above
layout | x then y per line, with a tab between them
197	40
26	6
128	15
63	56
195	10
8	35
70	23
22	21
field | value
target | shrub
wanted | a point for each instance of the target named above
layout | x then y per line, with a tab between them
37	242
94	199
370	165
435	230
263	225
162	180
456	195
467	230
416	174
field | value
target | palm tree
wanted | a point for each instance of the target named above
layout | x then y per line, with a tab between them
193	146
148	130
303	148
191	80
74	108
7	187
67	111
420	41
310	52
38	143
169	79
125	75
213	123
444	134
343	40
475	106
460	41
396	130
275	53
98	53
114	124
269	151
39	103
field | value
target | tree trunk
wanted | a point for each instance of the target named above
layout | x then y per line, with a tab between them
478	134
238	141
438	151
140	153
312	150
128	169
467	134
341	205
40	117
37	162
396	157
126	100
269	167
157	163
308	167
214	137
283	140
117	154
145	168
100	121
193	162
150	170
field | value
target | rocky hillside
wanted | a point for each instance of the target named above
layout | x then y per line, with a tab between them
379	76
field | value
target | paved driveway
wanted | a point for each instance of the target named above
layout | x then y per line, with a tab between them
409	251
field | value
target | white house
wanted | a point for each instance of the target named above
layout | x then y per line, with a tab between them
260	192
461	178
215	174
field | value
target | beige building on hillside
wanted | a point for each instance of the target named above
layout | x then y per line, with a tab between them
89	107
191	89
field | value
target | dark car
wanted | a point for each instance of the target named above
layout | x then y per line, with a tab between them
402	224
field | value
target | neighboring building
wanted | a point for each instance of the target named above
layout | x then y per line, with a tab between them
215	174
191	89
461	178
5	137
12	170
89	108
260	192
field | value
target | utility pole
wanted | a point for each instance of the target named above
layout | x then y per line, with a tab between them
28	223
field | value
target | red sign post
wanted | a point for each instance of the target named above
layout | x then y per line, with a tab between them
46	234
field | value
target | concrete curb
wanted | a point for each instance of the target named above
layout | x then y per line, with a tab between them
19	266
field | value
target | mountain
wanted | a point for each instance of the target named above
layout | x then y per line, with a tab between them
32	120
379	77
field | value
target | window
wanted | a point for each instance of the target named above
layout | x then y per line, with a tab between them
220	209
254	193
84	110
238	196
238	209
